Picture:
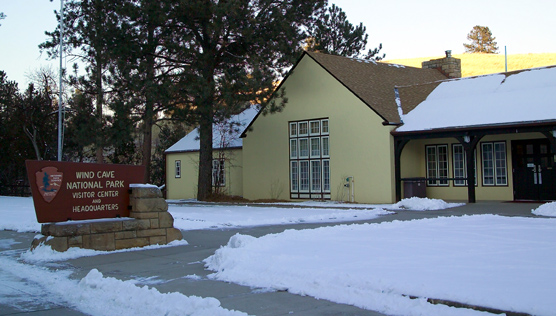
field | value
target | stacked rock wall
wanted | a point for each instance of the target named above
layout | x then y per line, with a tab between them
149	224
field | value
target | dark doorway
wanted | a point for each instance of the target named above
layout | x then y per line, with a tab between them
534	174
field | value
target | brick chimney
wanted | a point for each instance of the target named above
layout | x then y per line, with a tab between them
449	66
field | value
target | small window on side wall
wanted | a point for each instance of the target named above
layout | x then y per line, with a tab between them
178	169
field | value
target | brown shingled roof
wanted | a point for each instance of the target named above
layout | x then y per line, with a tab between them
374	82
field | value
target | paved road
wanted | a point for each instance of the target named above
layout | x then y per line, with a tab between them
173	263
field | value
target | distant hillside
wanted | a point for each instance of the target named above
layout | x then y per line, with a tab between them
482	64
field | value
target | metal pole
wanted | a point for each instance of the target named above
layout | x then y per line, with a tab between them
506	54
60	123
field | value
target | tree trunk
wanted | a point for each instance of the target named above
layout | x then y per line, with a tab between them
33	139
204	183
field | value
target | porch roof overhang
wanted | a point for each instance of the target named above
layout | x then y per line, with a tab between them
469	137
482	130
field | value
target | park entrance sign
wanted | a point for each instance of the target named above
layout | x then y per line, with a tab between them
77	191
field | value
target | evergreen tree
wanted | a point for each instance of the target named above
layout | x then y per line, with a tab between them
37	119
2	16
333	34
143	77
228	53
14	147
482	41
80	122
169	135
89	31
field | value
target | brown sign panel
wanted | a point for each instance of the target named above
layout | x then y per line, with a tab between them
76	191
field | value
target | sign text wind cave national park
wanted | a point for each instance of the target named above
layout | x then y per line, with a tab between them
77	191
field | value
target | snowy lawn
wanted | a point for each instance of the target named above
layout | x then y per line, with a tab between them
492	261
485	260
52	288
18	213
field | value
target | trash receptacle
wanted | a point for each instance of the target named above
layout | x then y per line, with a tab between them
414	187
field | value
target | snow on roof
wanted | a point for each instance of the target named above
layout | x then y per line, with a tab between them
509	98
222	135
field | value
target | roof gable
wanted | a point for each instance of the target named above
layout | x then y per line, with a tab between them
519	97
224	135
374	82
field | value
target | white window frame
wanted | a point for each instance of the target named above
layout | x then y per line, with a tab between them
293	148
315	132
492	160
435	167
303	126
326	175
325	149
315	168
309	151
293	129
461	183
177	165
294	176
314	152
218	172
301	153
323	130
304	177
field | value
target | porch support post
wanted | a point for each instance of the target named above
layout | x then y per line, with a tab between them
399	144
469	144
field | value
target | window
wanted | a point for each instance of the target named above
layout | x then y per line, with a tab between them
303	148
437	165
309	159
293	148
324	125
326	175
325	147
293	129
218	173
303	128
494	163
178	168
460	165
315	147
294	176
315	127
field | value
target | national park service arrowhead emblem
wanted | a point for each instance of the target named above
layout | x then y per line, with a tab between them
49	181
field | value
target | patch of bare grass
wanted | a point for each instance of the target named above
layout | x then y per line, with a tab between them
483	64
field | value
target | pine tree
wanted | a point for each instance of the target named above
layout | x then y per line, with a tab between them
89	34
80	121
169	135
230	53
482	41
15	148
142	75
333	34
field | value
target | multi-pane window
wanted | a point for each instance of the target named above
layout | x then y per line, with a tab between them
494	163
437	165
218	173
178	168
309	159
460	165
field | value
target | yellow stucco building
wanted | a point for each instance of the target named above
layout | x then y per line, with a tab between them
364	131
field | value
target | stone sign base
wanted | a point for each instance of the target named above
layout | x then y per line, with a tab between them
149	224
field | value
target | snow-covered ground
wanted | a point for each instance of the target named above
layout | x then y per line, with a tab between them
18	213
487	260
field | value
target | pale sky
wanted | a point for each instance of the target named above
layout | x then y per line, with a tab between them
406	28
